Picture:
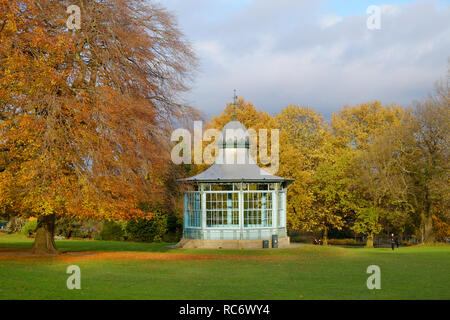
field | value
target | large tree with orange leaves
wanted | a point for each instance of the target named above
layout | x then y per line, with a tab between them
84	114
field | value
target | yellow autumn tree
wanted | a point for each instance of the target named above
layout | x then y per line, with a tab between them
357	126
252	119
299	125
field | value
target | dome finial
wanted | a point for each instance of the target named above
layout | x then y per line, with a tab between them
234	105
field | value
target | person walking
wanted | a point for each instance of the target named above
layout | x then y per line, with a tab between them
392	241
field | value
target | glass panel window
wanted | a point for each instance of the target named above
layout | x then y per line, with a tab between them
257	209
192	209
236	186
222	187
258	186
222	210
282	208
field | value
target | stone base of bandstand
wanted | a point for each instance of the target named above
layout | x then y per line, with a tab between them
229	244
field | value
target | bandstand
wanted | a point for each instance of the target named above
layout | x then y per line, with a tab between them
235	204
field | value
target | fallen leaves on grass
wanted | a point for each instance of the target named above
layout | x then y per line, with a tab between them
14	254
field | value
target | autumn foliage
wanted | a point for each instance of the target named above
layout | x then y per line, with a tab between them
84	114
371	168
86	117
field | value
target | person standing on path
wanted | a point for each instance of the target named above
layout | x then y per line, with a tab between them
392	241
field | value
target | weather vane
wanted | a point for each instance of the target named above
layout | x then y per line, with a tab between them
234	105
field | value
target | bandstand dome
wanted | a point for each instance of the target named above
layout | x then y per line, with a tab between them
235	203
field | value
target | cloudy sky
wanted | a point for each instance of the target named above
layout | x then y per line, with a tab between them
316	53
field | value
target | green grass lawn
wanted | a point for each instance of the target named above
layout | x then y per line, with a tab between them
308	272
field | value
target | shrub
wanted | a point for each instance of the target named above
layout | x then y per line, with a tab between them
112	231
91	228
345	242
148	230
174	223
67	227
29	228
97	236
172	237
174	229
15	224
75	228
300	238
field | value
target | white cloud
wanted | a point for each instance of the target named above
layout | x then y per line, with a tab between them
290	52
329	20
390	9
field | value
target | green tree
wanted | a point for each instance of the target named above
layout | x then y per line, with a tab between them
368	223
332	197
303	134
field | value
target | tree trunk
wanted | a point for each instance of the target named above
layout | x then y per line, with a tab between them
369	242
427	222
325	236
44	242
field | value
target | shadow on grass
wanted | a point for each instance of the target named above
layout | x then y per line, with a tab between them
97	245
15	241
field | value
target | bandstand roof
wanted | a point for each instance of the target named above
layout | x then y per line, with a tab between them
235	172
